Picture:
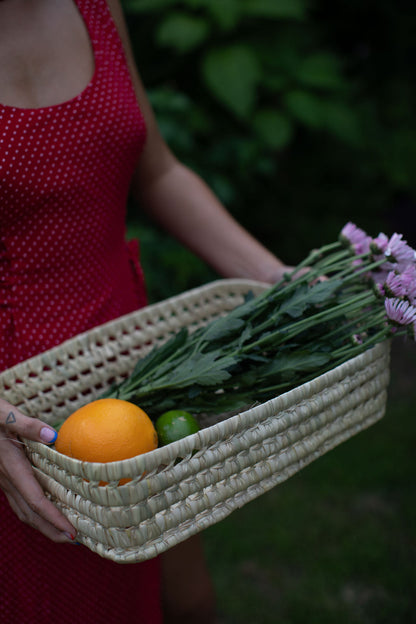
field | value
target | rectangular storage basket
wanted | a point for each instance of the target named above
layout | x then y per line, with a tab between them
178	490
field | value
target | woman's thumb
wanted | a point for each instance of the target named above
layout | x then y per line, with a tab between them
12	420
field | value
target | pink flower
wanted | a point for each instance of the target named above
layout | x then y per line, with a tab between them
400	312
401	285
380	244
356	237
379	277
393	286
357	339
409	282
399	251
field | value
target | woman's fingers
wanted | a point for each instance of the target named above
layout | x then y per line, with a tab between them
12	420
26	496
28	516
18	480
286	272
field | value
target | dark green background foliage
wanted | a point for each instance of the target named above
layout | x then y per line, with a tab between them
298	113
301	115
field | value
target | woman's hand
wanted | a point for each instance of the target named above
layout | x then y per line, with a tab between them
17	479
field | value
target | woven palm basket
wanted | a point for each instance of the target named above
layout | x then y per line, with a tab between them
182	488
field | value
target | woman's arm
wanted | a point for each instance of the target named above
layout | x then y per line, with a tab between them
182	203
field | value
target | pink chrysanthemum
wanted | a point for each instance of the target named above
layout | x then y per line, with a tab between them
379	277
400	312
409	282
394	286
399	251
380	244
356	237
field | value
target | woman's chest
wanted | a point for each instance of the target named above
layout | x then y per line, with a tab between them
46	55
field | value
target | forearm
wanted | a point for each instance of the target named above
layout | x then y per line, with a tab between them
184	205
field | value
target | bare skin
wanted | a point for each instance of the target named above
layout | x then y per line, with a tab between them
45	52
46	58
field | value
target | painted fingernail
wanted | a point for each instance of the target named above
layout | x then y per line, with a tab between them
69	536
48	435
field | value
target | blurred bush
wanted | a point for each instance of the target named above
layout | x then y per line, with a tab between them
298	113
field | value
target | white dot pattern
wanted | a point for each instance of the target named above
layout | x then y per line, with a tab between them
65	172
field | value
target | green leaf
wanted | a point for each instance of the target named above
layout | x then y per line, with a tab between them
245	335
296	304
169	100
222	187
158	355
302	361
182	31
219	403
207	369
320	70
275	82
225	12
342	121
146	6
232	73
274	129
323	291
224	327
305	107
276	9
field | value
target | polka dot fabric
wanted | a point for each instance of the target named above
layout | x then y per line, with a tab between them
65	267
65	172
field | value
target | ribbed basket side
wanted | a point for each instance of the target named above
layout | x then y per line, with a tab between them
210	504
186	498
336	390
252	448
184	487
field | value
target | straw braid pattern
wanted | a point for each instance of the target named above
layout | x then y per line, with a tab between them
181	489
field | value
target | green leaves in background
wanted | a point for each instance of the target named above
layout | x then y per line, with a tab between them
319	113
147	6
279	105
232	73
320	70
226	13
245	56
274	8
273	128
305	107
182	32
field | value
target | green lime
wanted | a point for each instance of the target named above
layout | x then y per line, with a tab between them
174	425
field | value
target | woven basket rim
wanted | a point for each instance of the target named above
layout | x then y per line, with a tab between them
166	454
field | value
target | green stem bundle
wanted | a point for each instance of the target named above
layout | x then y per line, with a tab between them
295	330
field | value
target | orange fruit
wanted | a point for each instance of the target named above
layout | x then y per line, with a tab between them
107	430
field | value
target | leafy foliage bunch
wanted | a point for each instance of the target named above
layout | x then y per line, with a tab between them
294	331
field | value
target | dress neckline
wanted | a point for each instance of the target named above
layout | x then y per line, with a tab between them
75	98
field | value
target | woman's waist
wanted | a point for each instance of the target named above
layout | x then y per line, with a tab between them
78	278
37	315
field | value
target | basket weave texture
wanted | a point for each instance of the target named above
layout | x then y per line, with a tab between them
181	489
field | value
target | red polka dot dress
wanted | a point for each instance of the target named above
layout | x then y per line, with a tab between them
65	172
